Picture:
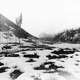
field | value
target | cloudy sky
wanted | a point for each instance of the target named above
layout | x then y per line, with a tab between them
43	16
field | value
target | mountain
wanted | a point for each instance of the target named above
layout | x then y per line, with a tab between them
25	57
9	31
68	36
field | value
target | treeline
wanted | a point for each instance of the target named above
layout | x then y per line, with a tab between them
69	36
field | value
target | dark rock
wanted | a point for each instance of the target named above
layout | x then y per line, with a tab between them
6	47
1	64
62	51
76	50
31	60
77	64
4	54
51	66
56	56
49	71
15	74
13	55
23	53
3	69
36	78
31	55
78	60
71	56
76	54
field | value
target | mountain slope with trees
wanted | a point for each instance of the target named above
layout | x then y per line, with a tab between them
68	36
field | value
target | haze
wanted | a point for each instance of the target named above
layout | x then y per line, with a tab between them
43	16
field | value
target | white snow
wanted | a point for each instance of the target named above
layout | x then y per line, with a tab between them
31	74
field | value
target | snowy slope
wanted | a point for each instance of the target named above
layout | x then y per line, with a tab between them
33	60
10	31
37	65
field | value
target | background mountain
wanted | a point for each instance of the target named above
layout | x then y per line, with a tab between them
69	36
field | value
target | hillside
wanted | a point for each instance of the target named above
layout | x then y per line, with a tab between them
6	24
68	36
10	32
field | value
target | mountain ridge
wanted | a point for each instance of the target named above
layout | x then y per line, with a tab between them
67	36
19	32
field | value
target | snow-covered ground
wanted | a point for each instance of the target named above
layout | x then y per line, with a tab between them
44	64
25	57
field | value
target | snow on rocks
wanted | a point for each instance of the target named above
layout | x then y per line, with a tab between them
50	69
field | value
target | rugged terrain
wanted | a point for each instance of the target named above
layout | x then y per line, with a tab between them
25	57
